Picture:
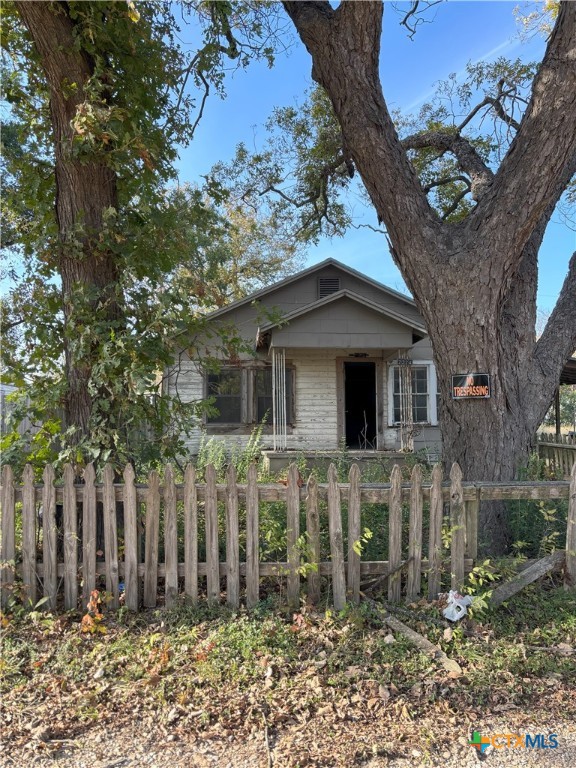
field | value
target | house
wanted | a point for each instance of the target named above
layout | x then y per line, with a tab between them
333	358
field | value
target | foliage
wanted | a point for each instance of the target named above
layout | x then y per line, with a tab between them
302	172
145	95
221	456
196	673
567	407
310	181
93	620
538	527
539	20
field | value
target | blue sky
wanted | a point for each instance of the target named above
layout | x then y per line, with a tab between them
460	31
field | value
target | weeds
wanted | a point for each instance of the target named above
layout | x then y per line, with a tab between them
206	670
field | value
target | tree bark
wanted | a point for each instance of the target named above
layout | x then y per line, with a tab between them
85	189
474	281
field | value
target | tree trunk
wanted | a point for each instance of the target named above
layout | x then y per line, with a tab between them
474	281
85	190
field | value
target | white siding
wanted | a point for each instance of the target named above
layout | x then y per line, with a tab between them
315	426
187	382
316	404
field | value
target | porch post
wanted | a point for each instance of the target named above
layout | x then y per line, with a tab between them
557	413
279	399
406	416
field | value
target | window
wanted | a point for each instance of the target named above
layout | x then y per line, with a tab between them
263	394
226	389
243	396
423	381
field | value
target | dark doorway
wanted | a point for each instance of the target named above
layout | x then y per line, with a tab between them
360	405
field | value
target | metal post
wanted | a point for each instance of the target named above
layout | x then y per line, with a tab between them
279	398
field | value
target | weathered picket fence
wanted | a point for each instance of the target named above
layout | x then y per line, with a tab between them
558	453
45	569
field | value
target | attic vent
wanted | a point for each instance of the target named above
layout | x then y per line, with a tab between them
328	285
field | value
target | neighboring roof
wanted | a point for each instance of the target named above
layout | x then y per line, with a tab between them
353	297
568	375
310	270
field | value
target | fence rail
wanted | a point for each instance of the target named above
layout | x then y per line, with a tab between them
558	452
84	536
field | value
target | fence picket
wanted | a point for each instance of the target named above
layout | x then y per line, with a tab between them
570	581
29	575
110	535
336	542
49	538
88	533
354	534
190	534
70	520
212	559
458	528
414	579
395	535
435	534
252	539
151	540
232	540
170	538
313	532
472	510
292	536
8	550
131	578
463	498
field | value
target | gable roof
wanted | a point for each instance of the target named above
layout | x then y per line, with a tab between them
337	296
330	262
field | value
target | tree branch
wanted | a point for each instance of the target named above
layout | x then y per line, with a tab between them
531	174
499	109
345	49
447	180
558	341
185	76
412	25
468	158
455	203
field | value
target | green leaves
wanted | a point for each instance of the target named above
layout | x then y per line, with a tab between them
114	286
298	181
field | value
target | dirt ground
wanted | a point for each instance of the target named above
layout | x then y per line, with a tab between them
397	733
277	691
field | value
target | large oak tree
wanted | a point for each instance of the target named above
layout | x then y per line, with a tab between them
101	96
474	280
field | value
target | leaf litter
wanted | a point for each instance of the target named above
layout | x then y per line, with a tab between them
309	689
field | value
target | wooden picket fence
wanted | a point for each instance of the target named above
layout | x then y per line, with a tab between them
177	509
558	452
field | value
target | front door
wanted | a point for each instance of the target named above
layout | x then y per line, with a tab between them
360	405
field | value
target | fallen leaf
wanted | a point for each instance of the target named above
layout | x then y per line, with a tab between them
384	693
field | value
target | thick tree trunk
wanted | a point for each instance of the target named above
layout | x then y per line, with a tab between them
475	281
85	190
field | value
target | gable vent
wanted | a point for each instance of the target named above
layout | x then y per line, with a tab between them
328	285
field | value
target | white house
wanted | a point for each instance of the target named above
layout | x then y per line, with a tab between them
334	358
